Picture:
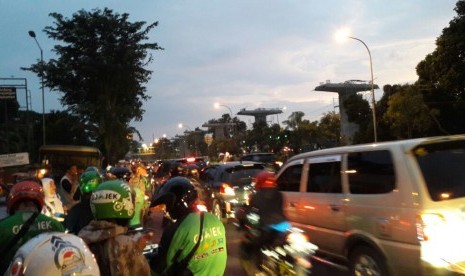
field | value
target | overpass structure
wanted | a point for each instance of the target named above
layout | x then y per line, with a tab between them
219	128
260	113
344	91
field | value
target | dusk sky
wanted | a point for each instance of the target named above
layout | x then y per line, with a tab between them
242	53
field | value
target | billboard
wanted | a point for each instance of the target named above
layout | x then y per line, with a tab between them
14	159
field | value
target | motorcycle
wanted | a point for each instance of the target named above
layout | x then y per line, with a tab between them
282	249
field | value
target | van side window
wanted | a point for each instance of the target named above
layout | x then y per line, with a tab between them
371	172
324	178
289	180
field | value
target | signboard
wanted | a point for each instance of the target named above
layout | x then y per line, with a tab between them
14	159
7	93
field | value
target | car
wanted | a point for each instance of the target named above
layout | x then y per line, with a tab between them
179	166
388	208
268	158
226	186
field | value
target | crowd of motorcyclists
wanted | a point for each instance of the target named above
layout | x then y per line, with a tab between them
99	211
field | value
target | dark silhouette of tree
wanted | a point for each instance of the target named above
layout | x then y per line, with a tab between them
99	72
442	75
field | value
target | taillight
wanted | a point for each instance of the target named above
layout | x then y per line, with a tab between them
226	190
429	225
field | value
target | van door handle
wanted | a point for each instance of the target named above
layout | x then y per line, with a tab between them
292	204
335	207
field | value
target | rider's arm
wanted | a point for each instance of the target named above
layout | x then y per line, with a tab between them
158	264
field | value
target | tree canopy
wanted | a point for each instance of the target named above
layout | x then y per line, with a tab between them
100	72
442	74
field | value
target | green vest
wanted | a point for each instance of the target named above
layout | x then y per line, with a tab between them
11	225
210	258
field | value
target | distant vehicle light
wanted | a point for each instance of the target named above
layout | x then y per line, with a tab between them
227	190
190	159
202	208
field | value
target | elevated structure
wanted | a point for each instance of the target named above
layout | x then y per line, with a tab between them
260	113
219	128
344	91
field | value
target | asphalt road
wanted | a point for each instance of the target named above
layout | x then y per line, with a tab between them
233	266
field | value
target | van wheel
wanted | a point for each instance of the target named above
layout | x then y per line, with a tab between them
216	210
365	260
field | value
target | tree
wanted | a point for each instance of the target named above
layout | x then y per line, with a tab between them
359	112
442	74
66	129
294	120
100	72
329	130
408	114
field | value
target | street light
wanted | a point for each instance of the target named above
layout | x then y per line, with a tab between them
180	125
372	88
33	35
344	33
217	105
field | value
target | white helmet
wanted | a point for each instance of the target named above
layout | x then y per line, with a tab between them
54	253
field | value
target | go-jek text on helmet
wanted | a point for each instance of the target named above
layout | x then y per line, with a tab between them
179	196
265	179
112	200
53	253
88	181
25	190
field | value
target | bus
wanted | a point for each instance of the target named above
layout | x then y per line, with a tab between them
59	157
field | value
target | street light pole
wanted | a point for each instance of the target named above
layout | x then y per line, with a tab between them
217	105
372	89
180	125
33	35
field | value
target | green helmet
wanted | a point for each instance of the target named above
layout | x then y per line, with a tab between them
112	200
88	181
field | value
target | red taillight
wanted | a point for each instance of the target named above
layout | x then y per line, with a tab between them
190	159
227	190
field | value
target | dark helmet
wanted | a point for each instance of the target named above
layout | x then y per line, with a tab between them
122	173
179	196
193	171
178	169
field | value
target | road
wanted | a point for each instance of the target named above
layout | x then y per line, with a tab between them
233	266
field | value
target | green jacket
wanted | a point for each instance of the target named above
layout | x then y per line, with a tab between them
11	225
209	259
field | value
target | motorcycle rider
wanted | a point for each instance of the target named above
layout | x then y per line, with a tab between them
178	251
68	186
24	206
116	253
53	206
138	183
265	209
54	253
80	214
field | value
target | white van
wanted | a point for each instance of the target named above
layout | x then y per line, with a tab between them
391	208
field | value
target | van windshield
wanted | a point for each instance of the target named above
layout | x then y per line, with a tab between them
443	168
